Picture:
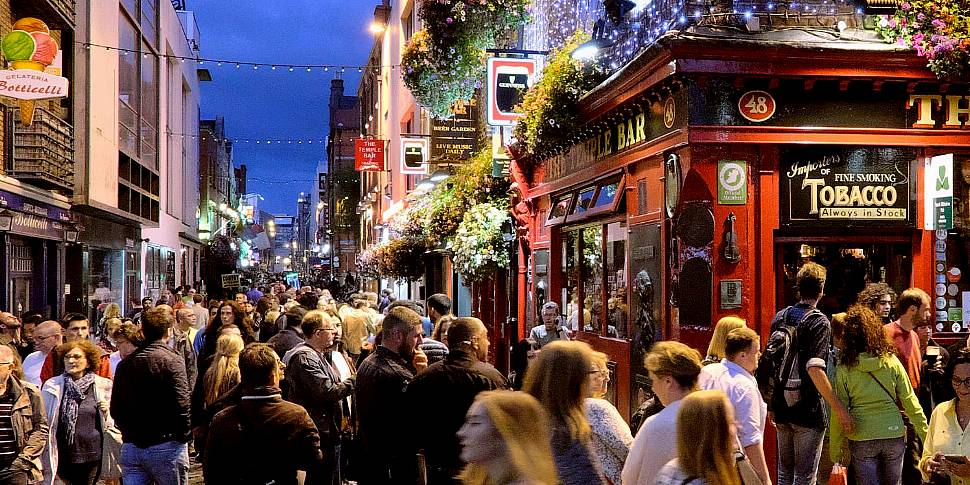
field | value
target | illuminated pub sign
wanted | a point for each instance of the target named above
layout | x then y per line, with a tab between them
848	186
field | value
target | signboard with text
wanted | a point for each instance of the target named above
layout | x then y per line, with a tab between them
369	155
938	184
456	138
855	186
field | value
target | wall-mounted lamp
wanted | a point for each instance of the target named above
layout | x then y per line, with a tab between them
71	233
6	220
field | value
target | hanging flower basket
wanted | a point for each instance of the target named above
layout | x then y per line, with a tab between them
401	258
478	249
939	30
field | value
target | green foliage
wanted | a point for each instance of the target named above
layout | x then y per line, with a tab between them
938	30
478	249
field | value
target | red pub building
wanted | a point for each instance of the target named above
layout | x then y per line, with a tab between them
711	167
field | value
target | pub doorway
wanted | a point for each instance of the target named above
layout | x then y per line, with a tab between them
851	263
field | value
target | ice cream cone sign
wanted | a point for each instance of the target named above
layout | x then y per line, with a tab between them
28	49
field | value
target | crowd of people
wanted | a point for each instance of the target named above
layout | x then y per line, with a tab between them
289	386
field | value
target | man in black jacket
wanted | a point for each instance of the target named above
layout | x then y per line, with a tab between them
387	435
315	384
449	387
262	439
150	405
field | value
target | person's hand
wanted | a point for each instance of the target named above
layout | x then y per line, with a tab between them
420	360
933	463
367	345
961	470
103	406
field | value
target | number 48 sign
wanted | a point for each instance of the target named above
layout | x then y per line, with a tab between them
756	106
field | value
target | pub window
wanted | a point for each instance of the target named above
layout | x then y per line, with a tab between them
583	200
594	294
560	207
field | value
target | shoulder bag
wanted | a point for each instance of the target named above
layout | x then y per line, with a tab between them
914	445
745	468
110	450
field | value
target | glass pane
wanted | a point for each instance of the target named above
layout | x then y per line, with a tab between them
149	89
592	274
584	199
127	64
569	301
560	206
127	140
131	6
607	194
149	20
617	309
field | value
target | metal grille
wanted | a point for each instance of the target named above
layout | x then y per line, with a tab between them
20	260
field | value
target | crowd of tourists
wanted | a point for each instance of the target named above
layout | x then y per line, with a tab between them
289	386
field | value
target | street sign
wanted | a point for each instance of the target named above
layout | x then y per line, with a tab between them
230	280
414	156
369	155
732	182
508	80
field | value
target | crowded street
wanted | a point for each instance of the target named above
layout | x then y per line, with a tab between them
485	242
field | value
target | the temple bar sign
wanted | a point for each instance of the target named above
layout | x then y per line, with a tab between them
949	111
861	186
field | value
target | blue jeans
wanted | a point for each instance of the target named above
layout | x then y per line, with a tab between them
878	461
799	449
165	464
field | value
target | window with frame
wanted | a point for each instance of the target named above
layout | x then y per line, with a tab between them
138	81
594	293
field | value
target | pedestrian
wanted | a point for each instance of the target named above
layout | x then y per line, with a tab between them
733	376
291	335
673	369
77	404
112	310
201	312
262	438
127	338
800	422
438	305
22	411
29	321
229	313
705	443
223	374
879	297
180	341
355	331
551	328
440	332
611	436
945	443
503	441
47	336
934	387
914	312
873	385
314	383
447	388
715	349
266	328
382	378
150	406
12	332
558	379
186	323
76	327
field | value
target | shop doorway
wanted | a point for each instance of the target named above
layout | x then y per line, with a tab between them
851	264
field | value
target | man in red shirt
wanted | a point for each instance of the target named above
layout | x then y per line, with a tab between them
914	312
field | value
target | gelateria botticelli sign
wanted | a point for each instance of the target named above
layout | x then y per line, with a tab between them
29	49
864	186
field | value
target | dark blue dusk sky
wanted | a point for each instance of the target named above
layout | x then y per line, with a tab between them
279	104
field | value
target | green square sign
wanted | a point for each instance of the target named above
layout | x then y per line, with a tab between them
732	182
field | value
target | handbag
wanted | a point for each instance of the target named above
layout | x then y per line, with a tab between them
746	469
110	452
914	445
839	475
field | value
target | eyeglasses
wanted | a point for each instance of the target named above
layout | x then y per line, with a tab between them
957	382
6	363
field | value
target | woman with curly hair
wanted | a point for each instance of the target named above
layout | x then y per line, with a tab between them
872	383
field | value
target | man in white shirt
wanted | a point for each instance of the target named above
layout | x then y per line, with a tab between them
733	376
673	369
47	336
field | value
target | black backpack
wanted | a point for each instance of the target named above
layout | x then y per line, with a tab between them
778	369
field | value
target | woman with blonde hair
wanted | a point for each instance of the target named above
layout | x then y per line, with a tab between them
611	435
705	443
715	349
558	378
223	374
440	332
499	442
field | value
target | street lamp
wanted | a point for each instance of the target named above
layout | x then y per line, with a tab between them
376	27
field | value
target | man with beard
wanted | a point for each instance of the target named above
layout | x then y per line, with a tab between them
914	311
450	387
382	380
879	298
314	383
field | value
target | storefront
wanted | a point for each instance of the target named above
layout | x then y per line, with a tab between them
704	178
33	233
103	268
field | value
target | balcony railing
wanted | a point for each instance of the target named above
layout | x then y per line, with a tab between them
43	153
59	14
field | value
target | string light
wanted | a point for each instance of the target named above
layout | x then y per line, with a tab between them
266	140
238	63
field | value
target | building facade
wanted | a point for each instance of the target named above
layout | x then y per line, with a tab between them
344	182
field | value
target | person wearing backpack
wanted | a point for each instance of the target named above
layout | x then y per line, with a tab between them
793	380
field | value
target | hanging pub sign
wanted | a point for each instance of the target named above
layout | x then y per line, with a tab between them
455	139
848	186
29	49
414	156
508	80
369	155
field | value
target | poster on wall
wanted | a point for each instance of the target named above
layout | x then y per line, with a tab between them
938	186
847	186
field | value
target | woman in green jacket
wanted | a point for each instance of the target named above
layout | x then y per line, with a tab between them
869	381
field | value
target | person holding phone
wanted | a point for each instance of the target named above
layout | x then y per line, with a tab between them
551	329
945	451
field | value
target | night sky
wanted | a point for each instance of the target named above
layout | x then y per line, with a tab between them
279	104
